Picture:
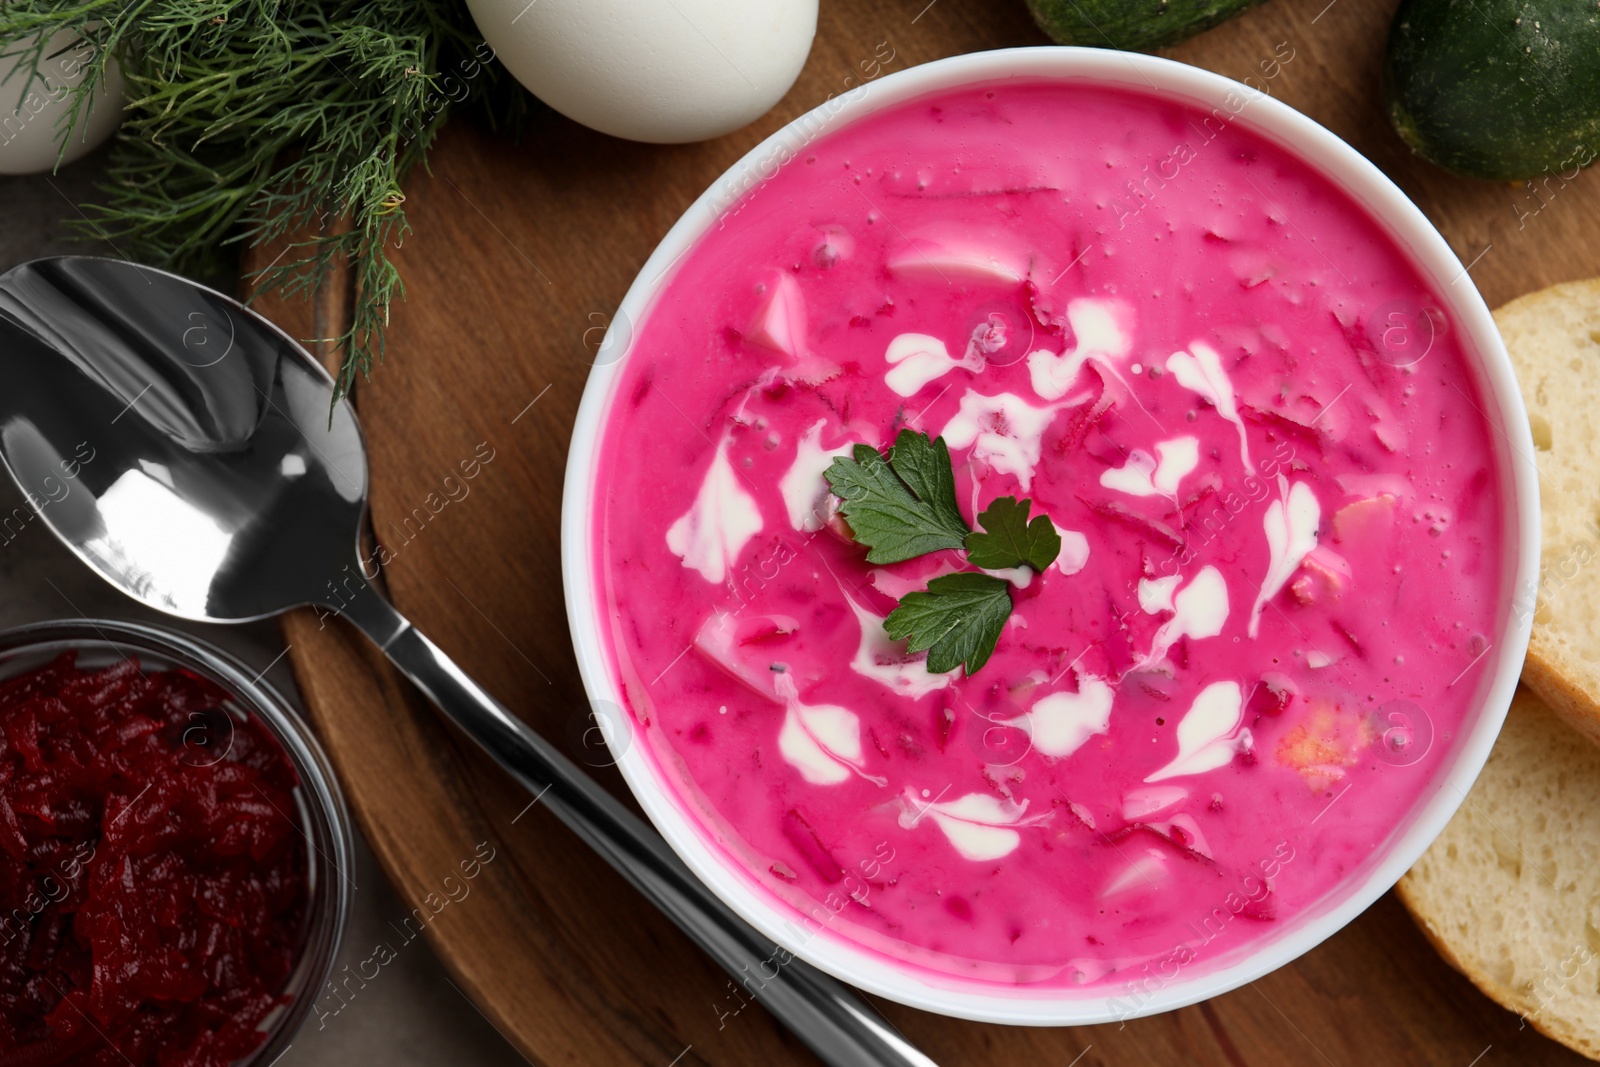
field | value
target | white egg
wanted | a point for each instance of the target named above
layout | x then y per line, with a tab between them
665	71
29	134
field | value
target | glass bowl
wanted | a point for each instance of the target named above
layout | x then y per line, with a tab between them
324	819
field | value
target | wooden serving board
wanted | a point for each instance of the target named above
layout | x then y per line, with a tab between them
520	252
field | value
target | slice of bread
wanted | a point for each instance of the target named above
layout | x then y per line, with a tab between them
1553	336
1510	892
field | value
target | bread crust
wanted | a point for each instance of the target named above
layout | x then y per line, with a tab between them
1544	674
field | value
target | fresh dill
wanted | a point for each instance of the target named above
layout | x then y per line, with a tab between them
257	121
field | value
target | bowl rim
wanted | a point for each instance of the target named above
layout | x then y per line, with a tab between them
330	838
1483	349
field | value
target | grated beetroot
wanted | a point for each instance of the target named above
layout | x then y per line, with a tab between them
153	878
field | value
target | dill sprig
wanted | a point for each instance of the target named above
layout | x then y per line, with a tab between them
256	121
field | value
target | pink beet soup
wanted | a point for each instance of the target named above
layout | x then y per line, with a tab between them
1259	438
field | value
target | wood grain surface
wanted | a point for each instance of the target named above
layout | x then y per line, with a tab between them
519	254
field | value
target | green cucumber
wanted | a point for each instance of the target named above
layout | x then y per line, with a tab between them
1134	25
1503	89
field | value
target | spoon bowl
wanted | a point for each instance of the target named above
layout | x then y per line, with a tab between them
182	445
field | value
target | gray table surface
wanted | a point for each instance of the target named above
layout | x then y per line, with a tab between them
411	1014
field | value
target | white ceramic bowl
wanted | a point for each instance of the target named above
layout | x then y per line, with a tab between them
1483	349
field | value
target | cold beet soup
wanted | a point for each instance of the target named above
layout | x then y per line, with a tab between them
1159	726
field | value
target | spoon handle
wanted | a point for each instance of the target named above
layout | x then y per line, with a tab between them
841	1029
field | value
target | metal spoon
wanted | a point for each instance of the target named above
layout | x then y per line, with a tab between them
182	446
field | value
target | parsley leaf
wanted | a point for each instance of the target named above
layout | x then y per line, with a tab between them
904	506
958	620
1008	539
925	466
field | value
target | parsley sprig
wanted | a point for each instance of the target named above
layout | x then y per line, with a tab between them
903	506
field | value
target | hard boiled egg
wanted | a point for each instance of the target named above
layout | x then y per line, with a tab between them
31	109
665	71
